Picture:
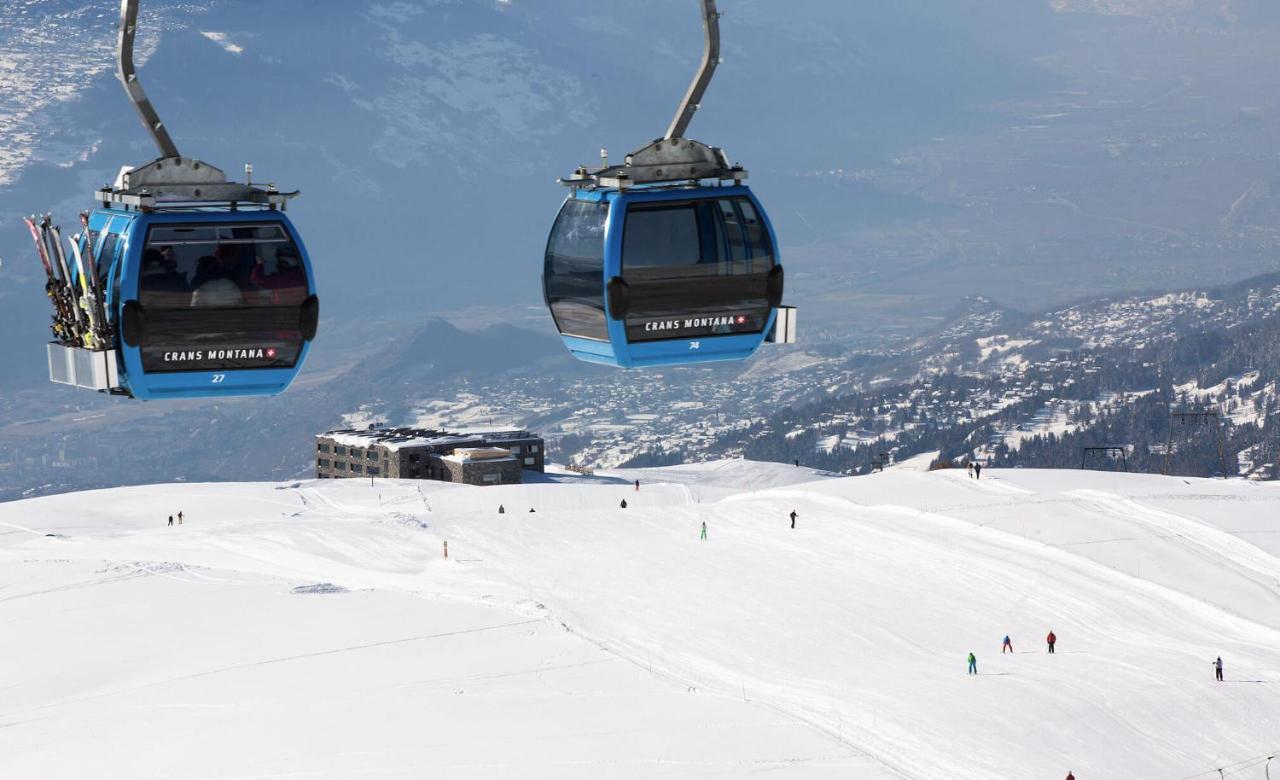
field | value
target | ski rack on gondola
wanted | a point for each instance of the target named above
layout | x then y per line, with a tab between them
82	354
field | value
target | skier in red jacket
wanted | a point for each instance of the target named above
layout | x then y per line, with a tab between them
1051	639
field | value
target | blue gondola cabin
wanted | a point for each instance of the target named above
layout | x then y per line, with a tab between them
663	275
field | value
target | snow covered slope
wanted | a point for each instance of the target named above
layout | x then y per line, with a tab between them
316	629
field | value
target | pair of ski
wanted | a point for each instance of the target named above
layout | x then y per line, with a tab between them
79	318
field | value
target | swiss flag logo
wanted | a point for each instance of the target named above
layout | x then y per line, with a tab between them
271	353
742	320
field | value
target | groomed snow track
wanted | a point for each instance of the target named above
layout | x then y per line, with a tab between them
587	640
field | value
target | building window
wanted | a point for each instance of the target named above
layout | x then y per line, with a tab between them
322	463
514	450
322	447
414	458
357	454
339	450
373	454
356	468
339	466
374	471
530	461
533	448
490	478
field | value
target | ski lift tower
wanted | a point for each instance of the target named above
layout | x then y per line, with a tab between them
1111	453
1182	419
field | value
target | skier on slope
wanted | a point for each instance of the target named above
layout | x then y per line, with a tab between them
973	664
1070	776
977	471
623	505
502	510
793	518
1052	639
1217	668
170	519
1008	645
970	469
179	517
704	530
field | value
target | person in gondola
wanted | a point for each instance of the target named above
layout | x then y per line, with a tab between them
287	283
207	269
159	280
215	284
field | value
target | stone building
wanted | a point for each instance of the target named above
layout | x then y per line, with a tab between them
485	457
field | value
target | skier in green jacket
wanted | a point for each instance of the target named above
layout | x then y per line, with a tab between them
704	530
973	664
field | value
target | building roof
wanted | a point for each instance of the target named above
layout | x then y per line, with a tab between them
478	455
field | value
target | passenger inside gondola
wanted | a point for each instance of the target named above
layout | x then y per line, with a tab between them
216	283
161	284
282	276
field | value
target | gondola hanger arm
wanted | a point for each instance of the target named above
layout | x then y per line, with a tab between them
710	60
128	75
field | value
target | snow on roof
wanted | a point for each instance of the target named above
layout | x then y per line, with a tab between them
400	438
497	433
396	445
397	439
478	454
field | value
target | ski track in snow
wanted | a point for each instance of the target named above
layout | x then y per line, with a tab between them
850	630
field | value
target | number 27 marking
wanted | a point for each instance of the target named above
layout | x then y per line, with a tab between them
217	378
